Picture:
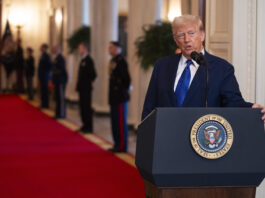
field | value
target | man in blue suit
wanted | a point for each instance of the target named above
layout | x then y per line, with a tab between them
178	81
44	70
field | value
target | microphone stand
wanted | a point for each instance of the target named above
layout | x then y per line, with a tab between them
207	83
199	58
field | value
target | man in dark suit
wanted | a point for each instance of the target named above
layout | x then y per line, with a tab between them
20	67
178	81
44	75
59	79
29	72
86	75
119	83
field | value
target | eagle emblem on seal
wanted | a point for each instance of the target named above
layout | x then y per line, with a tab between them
212	136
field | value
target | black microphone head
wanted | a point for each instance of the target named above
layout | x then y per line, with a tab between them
195	56
198	57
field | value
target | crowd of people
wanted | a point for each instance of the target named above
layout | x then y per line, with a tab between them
119	83
52	71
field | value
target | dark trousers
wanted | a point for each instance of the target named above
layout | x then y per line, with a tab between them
119	126
20	82
44	92
60	109
29	81
86	110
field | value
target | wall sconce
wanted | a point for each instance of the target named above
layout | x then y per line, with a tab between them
56	30
174	9
58	17
18	19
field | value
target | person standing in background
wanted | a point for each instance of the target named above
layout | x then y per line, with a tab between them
119	83
86	75
44	75
29	72
59	80
19	67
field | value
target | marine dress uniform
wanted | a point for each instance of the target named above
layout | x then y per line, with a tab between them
86	75
119	83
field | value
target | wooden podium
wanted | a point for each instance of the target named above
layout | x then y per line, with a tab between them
152	191
171	168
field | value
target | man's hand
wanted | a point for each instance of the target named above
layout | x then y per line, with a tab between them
262	110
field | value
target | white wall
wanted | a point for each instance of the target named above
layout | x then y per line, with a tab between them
219	31
140	13
123	6
244	46
260	72
36	29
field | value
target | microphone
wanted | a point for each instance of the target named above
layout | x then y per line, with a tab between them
199	58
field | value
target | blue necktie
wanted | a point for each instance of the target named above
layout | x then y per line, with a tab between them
183	84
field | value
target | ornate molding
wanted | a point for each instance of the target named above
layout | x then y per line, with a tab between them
244	46
251	49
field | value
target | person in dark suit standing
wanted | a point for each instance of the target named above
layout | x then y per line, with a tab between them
119	83
59	80
19	67
86	75
44	75
29	72
178	81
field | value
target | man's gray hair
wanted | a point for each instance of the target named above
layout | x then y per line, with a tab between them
184	19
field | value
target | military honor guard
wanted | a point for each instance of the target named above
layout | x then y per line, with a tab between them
119	83
59	80
29	72
44	70
86	75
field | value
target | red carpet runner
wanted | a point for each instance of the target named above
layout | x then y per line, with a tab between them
41	158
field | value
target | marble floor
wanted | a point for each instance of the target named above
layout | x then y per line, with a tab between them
102	127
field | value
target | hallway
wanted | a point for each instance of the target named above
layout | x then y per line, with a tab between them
42	158
102	127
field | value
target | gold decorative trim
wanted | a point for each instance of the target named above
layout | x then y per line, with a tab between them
197	145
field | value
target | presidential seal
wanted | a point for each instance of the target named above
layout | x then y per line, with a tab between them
211	136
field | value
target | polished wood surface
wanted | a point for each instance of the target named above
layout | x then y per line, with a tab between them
199	192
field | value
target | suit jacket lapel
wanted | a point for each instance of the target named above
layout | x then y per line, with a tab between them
198	80
173	68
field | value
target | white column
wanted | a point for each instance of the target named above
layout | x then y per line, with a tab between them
244	46
260	74
104	28
86	12
74	21
140	13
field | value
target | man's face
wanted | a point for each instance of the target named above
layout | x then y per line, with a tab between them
81	49
42	49
189	38
113	50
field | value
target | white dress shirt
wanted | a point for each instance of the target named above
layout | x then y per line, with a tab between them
182	64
